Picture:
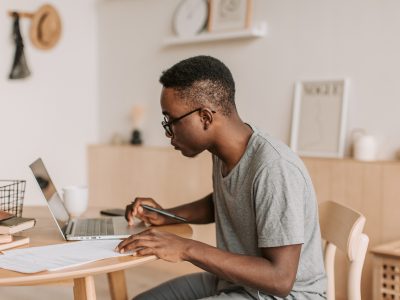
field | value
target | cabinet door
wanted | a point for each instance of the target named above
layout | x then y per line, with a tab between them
118	174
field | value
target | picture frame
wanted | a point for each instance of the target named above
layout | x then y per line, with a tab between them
225	15
319	118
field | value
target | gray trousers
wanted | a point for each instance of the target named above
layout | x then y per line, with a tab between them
193	286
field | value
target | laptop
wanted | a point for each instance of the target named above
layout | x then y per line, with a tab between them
79	229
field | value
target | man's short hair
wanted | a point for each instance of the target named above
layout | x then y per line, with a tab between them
202	81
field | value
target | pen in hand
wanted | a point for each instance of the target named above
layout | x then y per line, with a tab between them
164	213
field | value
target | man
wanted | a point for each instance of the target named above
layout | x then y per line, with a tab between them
263	202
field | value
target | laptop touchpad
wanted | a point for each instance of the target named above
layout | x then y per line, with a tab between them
121	226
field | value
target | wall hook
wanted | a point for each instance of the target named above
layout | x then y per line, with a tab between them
45	30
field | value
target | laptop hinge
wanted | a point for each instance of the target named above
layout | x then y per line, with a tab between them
68	228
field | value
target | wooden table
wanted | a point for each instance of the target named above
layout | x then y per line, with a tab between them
45	232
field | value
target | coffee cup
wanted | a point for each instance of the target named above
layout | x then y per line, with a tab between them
75	200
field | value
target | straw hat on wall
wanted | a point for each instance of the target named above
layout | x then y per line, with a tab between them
46	27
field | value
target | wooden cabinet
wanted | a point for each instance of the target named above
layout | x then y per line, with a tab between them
372	188
117	174
386	271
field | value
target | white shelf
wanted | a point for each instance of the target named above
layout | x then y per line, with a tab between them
260	30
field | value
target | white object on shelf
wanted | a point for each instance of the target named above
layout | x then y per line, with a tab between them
365	148
190	17
259	30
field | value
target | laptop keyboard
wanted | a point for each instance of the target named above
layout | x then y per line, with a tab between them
94	227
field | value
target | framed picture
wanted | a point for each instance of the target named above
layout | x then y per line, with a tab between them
229	15
319	117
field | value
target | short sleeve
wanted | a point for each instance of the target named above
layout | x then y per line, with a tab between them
280	193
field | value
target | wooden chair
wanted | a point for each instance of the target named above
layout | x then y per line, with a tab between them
341	227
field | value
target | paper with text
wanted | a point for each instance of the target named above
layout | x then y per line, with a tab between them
56	257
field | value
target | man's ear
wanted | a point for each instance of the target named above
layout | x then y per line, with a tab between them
206	117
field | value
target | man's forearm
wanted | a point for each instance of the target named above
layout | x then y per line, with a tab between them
197	212
256	272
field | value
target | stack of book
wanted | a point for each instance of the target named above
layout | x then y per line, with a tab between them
9	226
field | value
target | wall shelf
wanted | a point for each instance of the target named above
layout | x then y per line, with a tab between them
257	31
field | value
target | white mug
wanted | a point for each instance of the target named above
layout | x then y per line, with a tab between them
75	200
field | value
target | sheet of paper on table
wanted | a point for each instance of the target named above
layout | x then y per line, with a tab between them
59	256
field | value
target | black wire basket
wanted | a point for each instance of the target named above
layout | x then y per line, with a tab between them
12	194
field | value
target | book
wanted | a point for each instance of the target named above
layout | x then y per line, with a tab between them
16	224
5	238
4	215
17	241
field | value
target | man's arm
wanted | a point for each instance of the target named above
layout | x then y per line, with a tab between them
197	212
274	273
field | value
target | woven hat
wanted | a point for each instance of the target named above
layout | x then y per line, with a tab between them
45	27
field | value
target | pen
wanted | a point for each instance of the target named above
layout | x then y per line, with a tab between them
164	213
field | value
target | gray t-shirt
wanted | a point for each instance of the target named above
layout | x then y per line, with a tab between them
268	200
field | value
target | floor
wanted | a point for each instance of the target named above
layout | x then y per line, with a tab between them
137	280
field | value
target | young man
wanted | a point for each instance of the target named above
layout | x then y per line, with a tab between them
263	202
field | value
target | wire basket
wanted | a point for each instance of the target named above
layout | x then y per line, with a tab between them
12	196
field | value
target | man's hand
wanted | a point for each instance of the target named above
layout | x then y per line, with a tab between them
164	245
273	273
136	210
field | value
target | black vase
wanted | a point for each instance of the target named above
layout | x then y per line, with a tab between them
136	138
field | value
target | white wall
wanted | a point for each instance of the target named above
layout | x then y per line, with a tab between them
307	39
53	113
98	71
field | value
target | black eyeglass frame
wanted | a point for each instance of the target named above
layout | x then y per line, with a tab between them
167	124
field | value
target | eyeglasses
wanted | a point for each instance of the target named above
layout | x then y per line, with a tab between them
167	123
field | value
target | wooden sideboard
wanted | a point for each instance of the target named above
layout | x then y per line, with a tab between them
373	188
117	174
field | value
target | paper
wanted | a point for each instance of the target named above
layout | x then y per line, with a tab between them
56	257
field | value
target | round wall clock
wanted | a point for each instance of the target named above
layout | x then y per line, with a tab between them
190	17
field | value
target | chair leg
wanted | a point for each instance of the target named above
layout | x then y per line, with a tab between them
84	288
355	272
330	252
117	284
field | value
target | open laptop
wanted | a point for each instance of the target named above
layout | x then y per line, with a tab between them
80	229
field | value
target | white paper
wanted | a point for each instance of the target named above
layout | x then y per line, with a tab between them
55	257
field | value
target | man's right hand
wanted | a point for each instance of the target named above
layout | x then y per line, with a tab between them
136	210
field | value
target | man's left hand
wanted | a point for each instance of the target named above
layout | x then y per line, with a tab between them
164	245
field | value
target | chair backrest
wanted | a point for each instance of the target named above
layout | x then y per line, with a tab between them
341	227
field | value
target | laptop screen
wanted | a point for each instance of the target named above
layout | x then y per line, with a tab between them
49	191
